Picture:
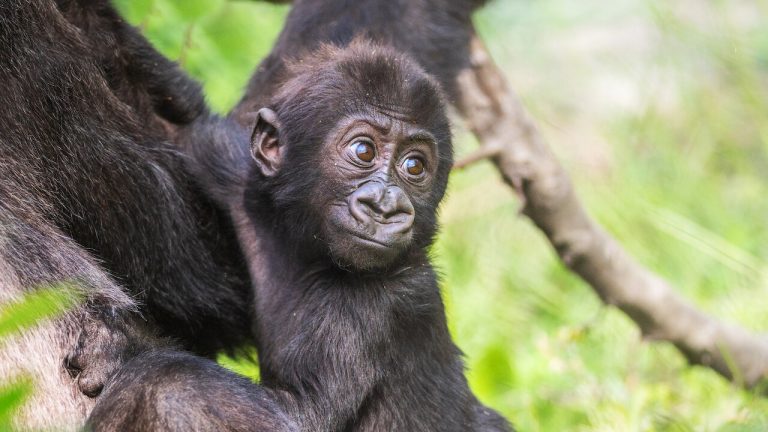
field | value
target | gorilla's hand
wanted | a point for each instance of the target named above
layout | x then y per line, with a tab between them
108	338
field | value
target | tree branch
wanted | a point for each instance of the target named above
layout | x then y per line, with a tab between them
510	138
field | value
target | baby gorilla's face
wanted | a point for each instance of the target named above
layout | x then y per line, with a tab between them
380	168
354	152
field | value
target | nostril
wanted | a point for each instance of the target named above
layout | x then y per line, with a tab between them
388	205
396	205
359	210
385	210
363	202
396	213
369	204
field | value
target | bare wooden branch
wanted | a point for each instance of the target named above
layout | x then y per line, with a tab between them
512	141
484	152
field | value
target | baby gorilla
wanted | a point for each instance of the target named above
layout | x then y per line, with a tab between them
352	156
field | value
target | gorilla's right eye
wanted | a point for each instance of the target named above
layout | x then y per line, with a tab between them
364	150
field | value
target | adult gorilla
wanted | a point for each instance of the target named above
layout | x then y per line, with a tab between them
93	192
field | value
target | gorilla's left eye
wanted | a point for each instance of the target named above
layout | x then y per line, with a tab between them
413	166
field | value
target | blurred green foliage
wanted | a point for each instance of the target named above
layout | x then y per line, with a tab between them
17	316
218	42
660	112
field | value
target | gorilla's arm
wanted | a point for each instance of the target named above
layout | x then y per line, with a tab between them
175	249
174	391
158	91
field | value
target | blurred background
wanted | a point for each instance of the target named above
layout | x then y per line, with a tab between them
659	111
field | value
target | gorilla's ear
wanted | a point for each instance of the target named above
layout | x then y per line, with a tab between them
266	148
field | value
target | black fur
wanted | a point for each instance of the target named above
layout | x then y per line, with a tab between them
354	350
93	192
176	251
172	391
435	33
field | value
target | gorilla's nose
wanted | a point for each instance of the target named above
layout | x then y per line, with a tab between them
387	205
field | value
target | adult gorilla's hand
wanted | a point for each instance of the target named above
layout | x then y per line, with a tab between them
106	341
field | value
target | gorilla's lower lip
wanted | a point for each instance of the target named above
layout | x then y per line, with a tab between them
370	240
397	238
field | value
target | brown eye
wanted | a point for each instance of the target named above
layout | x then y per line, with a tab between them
364	150
414	166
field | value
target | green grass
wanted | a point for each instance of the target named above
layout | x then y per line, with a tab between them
660	113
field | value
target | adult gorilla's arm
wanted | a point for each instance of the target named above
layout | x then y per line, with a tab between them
158	91
166	390
59	126
190	278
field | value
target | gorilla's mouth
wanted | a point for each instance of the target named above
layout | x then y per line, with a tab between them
368	244
392	236
371	241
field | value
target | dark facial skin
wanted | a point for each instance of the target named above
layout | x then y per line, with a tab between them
382	162
377	164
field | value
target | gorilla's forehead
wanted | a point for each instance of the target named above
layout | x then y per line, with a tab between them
392	126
